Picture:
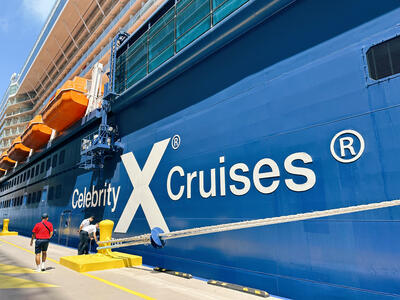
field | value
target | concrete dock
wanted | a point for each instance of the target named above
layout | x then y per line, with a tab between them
18	280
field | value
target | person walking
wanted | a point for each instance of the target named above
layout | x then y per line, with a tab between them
42	232
83	247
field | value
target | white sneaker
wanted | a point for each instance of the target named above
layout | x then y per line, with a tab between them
43	267
38	269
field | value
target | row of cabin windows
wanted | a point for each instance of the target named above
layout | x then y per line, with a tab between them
35	171
12	202
32	198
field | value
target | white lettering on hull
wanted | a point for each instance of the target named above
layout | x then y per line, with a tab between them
237	179
141	194
265	175
96	197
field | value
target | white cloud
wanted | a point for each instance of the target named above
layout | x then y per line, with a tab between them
39	9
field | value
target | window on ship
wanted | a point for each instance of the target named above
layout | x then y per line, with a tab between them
384	59
54	162
61	157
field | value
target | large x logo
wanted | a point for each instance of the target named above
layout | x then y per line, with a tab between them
141	194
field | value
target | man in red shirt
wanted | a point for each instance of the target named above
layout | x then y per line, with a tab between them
42	231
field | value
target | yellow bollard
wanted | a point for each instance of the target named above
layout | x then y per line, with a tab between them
5	228
5	225
106	228
103	259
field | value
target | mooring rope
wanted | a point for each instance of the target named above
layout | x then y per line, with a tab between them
145	238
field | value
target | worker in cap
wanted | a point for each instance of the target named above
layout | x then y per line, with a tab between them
42	232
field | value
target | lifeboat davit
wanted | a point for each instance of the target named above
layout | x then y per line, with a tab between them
37	134
18	151
6	162
68	105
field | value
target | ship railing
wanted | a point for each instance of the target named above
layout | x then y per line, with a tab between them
100	139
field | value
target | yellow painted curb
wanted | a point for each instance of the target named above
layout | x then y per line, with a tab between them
8	233
98	262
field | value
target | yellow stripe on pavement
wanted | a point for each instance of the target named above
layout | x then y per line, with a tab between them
119	287
10	282
89	275
11	269
26	250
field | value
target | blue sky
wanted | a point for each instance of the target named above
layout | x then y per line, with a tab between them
20	24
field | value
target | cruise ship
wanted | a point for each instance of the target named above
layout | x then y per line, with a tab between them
180	114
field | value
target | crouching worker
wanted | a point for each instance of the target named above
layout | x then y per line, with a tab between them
93	234
87	233
83	235
43	231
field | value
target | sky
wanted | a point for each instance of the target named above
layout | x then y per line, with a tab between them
21	22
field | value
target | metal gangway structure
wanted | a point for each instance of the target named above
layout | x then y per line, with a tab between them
103	142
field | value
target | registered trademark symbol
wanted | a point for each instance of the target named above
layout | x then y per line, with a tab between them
351	145
176	142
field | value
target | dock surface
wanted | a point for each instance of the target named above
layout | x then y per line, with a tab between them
18	279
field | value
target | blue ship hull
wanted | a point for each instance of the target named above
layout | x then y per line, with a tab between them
278	118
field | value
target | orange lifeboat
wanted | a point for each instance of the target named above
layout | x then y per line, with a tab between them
68	105
18	151
37	134
6	162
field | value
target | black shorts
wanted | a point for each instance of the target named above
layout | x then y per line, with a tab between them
41	245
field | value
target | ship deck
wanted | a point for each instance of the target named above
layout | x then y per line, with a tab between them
18	280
